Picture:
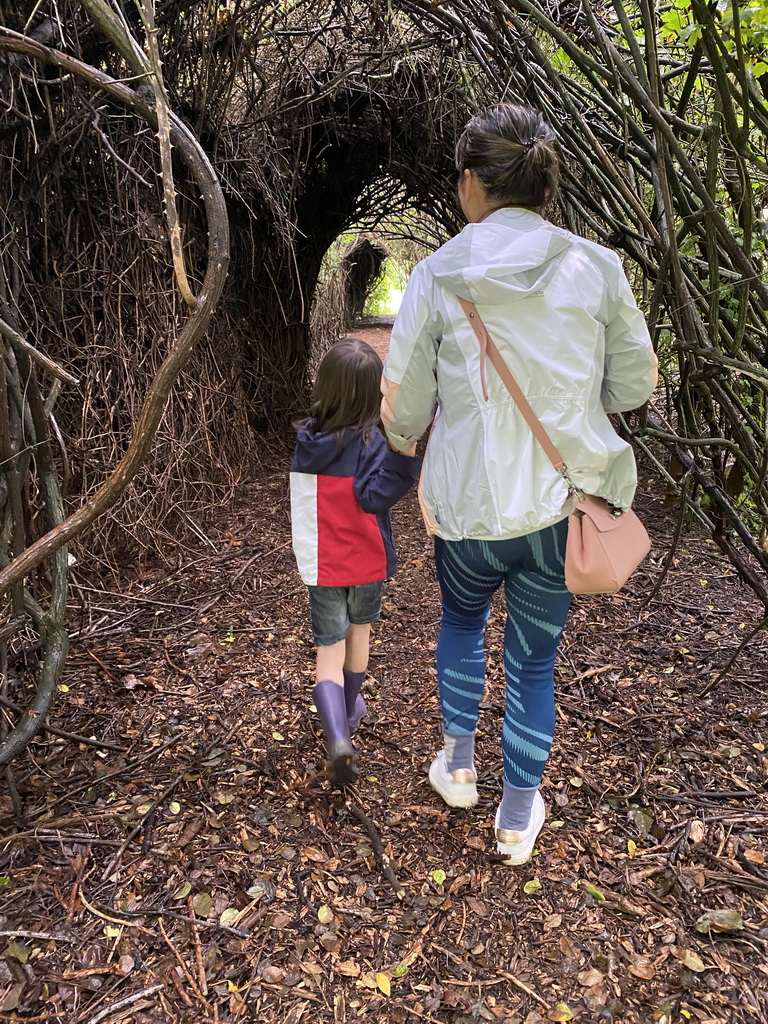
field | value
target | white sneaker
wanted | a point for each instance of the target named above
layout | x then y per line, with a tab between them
517	847
457	788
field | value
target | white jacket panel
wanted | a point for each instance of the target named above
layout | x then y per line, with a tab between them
563	316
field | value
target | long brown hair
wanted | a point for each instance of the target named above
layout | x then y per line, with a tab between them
514	153
347	392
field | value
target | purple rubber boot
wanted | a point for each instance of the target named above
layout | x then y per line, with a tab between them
330	704
353	683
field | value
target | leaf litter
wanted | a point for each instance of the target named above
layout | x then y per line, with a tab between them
210	872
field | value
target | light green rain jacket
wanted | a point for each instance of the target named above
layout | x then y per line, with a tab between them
563	316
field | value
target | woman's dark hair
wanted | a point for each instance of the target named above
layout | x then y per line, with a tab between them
514	153
347	390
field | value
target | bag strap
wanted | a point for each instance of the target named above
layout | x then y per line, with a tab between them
487	345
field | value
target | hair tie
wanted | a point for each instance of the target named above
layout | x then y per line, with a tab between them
529	144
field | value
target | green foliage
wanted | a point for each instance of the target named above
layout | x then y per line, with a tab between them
678	24
385	297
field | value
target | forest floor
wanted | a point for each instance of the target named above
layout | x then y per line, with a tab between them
203	869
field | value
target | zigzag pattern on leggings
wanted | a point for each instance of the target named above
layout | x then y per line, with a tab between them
531	570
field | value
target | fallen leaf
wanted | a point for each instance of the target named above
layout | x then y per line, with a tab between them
229	916
642	819
272	975
12	997
439	876
313	854
593	892
310	967
631	847
531	886
561	1011
719	921
348	968
754	856
400	970
185	890
477	906
126	964
694	963
261	889
697	832
553	921
330	942
202	904
642	967
325	915
382	981
17	951
367	981
590	978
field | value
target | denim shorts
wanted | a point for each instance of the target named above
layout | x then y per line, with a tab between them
334	609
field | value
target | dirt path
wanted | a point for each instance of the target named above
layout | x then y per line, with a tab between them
208	872
377	338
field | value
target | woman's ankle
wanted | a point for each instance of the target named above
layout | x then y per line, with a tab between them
459	750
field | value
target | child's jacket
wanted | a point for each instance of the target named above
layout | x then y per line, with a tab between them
342	488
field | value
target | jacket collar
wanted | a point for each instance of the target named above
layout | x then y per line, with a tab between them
522	219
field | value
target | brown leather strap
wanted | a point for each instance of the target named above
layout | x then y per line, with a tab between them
488	345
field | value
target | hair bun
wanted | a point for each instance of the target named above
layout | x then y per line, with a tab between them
514	153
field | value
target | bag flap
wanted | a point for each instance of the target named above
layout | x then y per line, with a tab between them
599	511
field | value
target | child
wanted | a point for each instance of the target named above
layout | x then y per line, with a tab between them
344	480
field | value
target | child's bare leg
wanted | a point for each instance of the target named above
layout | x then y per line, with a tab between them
355	664
357	648
331	661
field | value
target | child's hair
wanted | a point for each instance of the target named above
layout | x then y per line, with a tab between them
347	392
514	153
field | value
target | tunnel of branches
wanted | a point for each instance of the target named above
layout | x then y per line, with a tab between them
321	126
321	119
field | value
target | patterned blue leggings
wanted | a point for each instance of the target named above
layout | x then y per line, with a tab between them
470	572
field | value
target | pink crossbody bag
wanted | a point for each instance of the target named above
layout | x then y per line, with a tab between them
605	545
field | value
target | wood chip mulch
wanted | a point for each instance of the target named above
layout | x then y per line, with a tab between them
207	871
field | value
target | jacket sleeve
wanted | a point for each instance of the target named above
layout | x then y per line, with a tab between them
409	384
383	476
631	367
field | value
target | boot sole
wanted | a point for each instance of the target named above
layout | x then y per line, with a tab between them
341	764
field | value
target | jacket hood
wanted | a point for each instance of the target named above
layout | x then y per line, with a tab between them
315	452
509	255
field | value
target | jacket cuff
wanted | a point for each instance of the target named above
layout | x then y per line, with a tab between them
408	465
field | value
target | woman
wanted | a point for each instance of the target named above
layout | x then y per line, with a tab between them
563	316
